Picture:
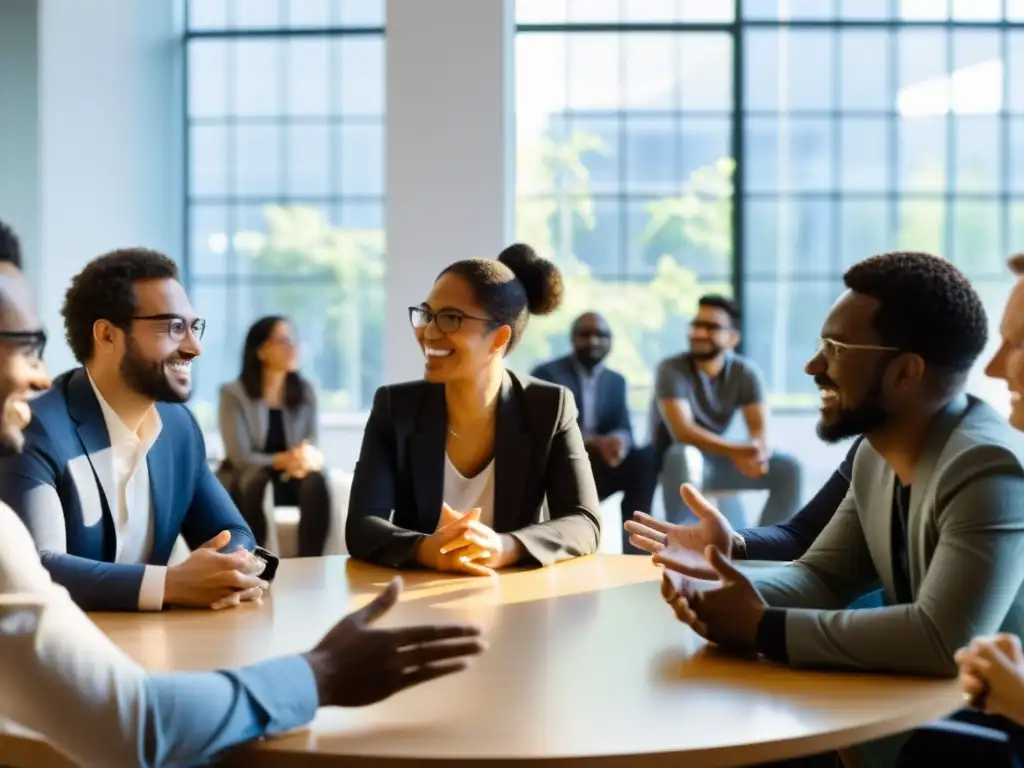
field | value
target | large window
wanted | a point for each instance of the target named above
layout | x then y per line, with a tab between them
842	128
285	206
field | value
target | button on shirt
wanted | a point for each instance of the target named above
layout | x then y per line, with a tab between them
128	495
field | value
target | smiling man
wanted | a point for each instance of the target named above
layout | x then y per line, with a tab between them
114	465
933	510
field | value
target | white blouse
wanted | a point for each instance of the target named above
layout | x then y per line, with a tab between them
464	493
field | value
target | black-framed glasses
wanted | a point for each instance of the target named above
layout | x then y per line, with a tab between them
32	342
447	320
177	326
833	349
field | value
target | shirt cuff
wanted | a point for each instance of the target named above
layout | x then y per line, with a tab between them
151	593
285	689
739	548
771	635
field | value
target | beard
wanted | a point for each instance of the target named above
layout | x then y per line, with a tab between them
149	378
709	353
867	416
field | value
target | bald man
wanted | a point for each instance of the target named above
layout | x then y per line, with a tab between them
618	464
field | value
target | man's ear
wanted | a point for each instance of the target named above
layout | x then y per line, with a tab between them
105	334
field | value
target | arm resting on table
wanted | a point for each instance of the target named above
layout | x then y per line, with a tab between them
369	533
575	525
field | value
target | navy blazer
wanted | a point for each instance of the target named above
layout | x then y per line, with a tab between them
53	485
612	407
398	483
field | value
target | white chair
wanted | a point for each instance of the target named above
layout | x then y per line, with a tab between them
283	522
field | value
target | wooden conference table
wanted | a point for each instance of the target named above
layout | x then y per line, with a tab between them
586	667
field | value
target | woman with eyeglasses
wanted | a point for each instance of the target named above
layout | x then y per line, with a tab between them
454	470
268	421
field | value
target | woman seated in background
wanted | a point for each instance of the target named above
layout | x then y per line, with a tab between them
474	439
268	421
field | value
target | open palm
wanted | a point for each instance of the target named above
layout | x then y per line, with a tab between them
681	547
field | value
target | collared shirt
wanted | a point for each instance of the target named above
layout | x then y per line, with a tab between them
128	494
588	396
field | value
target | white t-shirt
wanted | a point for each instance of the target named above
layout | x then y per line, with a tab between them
464	493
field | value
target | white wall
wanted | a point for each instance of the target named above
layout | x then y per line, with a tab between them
19	125
110	139
449	149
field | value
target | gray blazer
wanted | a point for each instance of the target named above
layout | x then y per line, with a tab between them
965	533
243	428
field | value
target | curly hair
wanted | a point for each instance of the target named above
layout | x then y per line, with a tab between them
926	306
10	246
105	290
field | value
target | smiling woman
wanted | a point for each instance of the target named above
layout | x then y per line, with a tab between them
454	470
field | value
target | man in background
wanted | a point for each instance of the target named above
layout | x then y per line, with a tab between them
697	394
601	399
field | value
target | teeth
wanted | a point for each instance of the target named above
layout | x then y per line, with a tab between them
181	365
829	394
431	352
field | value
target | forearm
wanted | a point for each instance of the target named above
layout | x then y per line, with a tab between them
96	586
191	717
790	540
379	541
703	439
561	538
797	586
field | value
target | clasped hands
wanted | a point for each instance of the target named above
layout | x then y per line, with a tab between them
462	543
992	675
299	461
700	583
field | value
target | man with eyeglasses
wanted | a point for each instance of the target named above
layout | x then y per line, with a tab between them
618	464
697	395
114	466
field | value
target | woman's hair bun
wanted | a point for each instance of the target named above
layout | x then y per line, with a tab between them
540	277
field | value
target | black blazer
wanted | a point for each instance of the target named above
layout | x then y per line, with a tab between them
612	407
399	479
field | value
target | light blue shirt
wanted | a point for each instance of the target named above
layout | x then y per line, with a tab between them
112	712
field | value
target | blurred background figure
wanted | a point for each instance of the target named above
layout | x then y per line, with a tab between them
268	420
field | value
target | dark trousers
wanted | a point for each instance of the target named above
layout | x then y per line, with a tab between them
966	738
636	477
310	494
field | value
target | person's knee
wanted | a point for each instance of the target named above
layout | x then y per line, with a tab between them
253	483
314	486
784	465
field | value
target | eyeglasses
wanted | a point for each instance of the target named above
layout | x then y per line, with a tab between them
702	325
833	349
447	321
177	326
32	342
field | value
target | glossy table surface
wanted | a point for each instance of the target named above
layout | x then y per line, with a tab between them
586	666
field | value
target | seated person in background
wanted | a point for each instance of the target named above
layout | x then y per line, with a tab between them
111	712
10	246
114	466
268	421
696	396
475	437
600	394
933	510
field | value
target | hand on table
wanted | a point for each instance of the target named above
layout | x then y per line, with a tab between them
681	547
727	614
210	579
355	664
460	543
992	675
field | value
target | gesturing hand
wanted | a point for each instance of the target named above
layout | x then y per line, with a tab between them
681	547
727	614
355	664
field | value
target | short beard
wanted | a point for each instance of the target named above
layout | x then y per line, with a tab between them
148	378
860	420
